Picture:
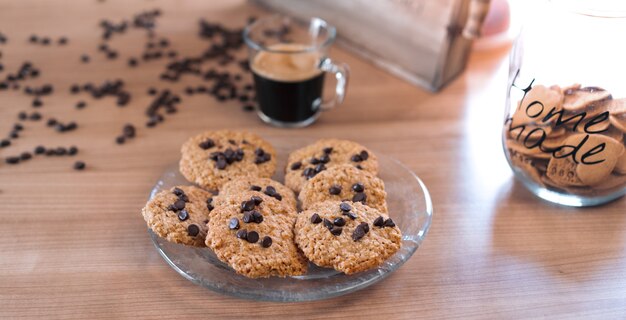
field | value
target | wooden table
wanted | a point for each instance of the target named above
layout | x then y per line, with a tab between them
73	244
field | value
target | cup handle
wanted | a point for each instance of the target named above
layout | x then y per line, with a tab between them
342	74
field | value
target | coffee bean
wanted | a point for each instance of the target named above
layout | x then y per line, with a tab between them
18	127
12	160
257	200
207	144
26	156
5	143
242	234
356	158
62	41
266	242
22	115
334	189
193	230
51	152
253	237
183	215
389	223
340	222
315	218
45	41
296	165
336	231
379	222
40	150
328	224
112	55
35	116
248	205
257	216
51	122
71	126
132	62
359	197
14	135
72	151
358	187
351	215
129	131
33	38
345	207
328	150
79	165
248	108
120	140
84	58
364	155
81	105
60	151
233	224
179	204
255	188
152	91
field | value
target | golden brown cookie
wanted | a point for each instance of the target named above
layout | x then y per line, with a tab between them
576	100
349	237
263	187
303	164
591	173
526	165
562	172
345	182
179	215
256	243
619	121
213	158
537	104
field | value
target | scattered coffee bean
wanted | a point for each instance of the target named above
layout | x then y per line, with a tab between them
40	150
79	165
183	215
358	187
84	58
5	143
345	207
334	189
178	192
296	165
253	237
81	105
358	166
340	222
12	160
193	230
72	150
315	218
379	222
22	115
242	234
120	140
233	224
62	41
129	131
35	116
266	242
51	122
132	62
18	127
248	108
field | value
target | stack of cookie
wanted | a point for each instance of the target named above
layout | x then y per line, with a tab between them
252	222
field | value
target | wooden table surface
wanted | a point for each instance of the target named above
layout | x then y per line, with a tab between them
73	244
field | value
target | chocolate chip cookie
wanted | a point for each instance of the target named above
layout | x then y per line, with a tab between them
179	215
255	238
349	237
345	182
213	158
305	163
263	187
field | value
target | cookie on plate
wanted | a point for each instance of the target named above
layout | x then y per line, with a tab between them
213	158
255	238
263	187
179	215
345	182
303	164
349	237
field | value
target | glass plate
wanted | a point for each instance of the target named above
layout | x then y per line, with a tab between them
409	205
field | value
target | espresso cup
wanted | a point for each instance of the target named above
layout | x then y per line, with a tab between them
289	62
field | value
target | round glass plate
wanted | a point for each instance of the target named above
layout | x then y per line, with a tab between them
409	205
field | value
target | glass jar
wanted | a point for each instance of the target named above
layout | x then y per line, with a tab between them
563	133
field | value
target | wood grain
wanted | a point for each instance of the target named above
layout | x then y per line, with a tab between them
73	244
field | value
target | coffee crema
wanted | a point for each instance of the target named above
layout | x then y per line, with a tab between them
293	63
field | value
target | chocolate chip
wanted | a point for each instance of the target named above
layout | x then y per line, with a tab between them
242	234
207	144
255	188
257	200
360	231
179	204
328	150
193	230
336	231
209	206
266	242
315	218
328	224
248	205
359	197
253	237
40	150
351	215
356	158
183	215
334	189
358	166
308	173
366	226
324	159
270	191
247	217
262	158
178	192
340	222
319	168
379	222
345	207
259	151
12	160
314	160
79	165
389	223
257	216
364	155
358	187
296	165
221	163
233	224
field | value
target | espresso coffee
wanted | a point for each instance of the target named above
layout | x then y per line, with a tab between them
288	83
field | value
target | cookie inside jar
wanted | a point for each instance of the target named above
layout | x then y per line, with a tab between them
568	139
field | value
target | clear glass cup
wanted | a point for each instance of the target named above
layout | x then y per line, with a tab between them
563	133
289	61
